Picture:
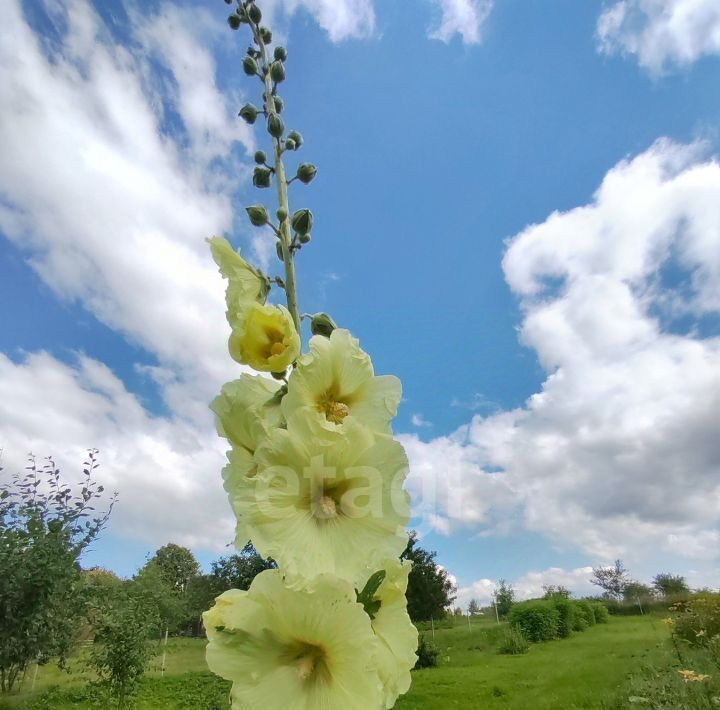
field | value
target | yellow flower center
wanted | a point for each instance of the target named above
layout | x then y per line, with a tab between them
326	507
311	664
277	348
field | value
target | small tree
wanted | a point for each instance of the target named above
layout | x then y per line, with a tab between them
473	607
238	571
555	590
670	585
636	592
177	566
611	580
45	524
430	590
504	595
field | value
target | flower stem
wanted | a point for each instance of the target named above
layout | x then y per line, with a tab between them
284	228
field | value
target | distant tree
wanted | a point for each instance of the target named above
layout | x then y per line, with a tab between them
637	592
200	595
556	590
176	564
150	589
430	590
611	580
670	585
473	607
504	595
45	525
238	571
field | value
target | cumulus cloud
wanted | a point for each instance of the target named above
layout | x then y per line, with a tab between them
661	33
165	469
619	453
463	17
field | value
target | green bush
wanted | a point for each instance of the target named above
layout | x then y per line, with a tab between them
601	613
537	620
427	654
585	609
698	620
579	621
513	643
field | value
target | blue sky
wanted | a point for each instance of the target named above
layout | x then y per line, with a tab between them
558	341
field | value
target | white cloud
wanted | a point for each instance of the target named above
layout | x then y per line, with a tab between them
618	454
341	19
661	33
165	469
418	420
463	17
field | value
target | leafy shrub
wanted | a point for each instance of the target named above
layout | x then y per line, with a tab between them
600	611
537	620
427	654
513	643
566	614
579	622
585	609
698	620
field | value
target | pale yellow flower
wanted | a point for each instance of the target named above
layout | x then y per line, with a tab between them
246	285
393	628
693	677
265	338
327	501
336	379
668	622
305	647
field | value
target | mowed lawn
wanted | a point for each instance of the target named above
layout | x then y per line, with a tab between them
579	672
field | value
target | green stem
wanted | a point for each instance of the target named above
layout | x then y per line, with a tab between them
285	236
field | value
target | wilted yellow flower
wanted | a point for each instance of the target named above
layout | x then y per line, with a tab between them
692	676
327	501
668	622
336	379
700	633
305	647
246	285
265	339
396	633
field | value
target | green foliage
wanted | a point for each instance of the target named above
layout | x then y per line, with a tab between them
430	591
555	590
698	620
566	616
122	648
473	607
601	613
504	598
537	620
513	643
670	585
238	571
45	524
585	610
176	566
636	592
427	654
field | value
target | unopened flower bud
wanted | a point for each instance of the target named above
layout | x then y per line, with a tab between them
228	2
297	138
275	126
281	214
278	251
277	71
280	54
254	13
279	105
258	215
265	35
290	144
249	113
322	324
260	157
250	66
234	21
278	375
306	172
302	221
261	177
304	238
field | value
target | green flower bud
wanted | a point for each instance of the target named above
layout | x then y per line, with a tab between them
254	13
234	21
265	35
290	144
261	177
249	113
306	172
278	375
302	221
260	157
280	54
322	324
275	126
304	238
277	71
258	215
279	105
228	2
278	251
297	138
281	214
249	66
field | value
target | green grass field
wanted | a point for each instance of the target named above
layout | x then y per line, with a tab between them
583	671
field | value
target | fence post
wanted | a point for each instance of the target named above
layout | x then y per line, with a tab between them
162	670
432	626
